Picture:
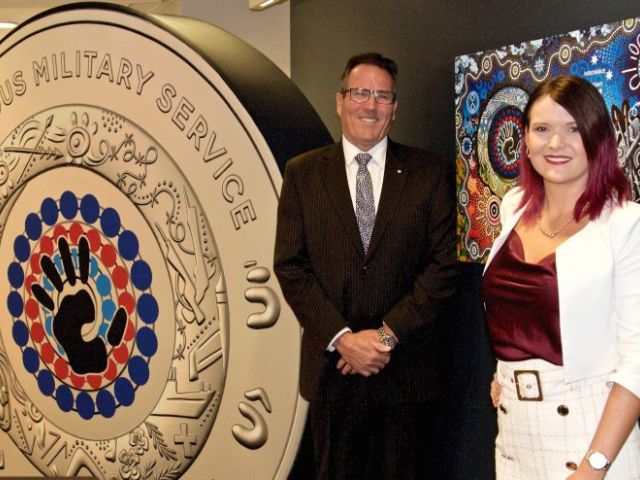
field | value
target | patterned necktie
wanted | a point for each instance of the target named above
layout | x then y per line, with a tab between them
365	206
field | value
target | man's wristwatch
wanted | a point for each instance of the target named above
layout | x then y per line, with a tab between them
385	338
597	460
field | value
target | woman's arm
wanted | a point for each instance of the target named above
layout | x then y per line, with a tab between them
620	416
622	409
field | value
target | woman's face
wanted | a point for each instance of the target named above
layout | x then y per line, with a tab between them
555	146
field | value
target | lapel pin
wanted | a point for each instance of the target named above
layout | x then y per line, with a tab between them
399	171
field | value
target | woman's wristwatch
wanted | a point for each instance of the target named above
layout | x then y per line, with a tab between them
597	460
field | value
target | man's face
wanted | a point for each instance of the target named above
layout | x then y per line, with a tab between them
365	124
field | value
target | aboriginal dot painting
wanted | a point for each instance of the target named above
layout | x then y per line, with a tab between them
77	244
491	92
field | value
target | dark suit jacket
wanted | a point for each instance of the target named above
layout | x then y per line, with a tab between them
330	283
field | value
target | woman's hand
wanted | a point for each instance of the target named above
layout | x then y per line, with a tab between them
495	391
585	472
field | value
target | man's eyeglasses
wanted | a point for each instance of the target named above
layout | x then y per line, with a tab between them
361	95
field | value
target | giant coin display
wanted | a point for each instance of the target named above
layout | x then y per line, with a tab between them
143	333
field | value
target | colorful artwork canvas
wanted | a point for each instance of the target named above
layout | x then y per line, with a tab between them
492	89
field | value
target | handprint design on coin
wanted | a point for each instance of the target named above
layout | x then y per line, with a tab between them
75	308
84	312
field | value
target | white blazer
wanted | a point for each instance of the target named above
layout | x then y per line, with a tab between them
598	272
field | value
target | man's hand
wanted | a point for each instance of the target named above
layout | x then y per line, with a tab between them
361	353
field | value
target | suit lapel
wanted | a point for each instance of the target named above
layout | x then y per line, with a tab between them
395	174
334	177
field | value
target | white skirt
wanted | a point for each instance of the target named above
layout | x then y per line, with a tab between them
545	439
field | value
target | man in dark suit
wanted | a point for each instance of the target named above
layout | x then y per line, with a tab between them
365	256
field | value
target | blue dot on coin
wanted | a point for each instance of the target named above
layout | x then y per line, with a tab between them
108	309
16	275
68	205
46	283
46	384
103	285
141	275
89	208
15	304
147	307
138	370
49	211
124	391
30	360
106	403
94	268
64	398
110	222
21	248
20	333
128	245
33	226
85	406
147	341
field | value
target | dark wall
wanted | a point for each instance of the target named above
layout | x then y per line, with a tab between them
424	37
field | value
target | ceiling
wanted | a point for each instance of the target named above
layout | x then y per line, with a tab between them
17	11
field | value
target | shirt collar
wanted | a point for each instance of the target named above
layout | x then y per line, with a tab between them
378	152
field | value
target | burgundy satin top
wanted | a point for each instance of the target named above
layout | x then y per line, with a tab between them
521	305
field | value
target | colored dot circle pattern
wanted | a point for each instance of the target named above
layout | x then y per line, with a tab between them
118	278
505	136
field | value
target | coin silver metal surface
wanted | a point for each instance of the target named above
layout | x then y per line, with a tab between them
143	332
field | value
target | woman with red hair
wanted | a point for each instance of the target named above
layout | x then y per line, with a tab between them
562	298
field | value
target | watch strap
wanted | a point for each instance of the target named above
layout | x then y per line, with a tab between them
385	338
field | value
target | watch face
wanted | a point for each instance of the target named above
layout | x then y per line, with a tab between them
598	461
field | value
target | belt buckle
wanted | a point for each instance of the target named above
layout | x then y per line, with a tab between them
528	386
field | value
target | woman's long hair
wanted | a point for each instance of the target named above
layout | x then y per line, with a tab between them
606	181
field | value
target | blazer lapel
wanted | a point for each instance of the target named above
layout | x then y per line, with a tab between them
507	226
395	174
334	177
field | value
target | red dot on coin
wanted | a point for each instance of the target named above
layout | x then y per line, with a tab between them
31	279
108	255
61	368
121	353
120	277
37	332
126	300
94	239
76	380
32	309
75	232
47	353
111	372
95	380
59	231
130	331
46	245
34	262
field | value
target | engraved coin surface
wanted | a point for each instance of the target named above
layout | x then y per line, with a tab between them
143	333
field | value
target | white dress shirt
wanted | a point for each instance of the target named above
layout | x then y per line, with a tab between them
376	170
375	167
